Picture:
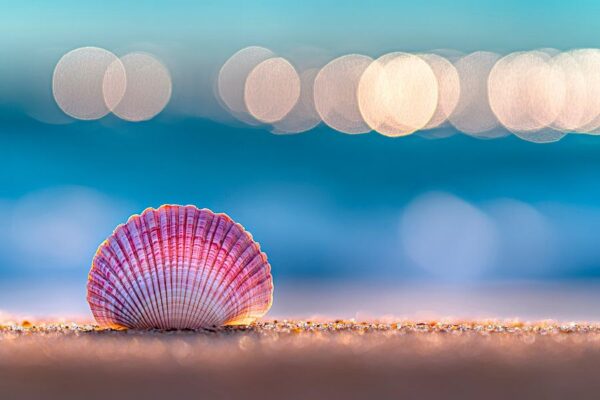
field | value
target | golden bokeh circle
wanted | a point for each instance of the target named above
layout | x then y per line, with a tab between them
398	94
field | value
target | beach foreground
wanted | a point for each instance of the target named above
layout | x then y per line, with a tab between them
303	359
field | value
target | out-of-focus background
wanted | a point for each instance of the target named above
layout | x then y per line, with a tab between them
354	225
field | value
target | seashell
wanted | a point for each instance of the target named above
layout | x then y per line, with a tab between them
179	267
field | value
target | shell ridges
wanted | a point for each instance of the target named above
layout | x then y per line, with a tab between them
179	267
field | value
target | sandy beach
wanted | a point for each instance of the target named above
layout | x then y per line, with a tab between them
303	359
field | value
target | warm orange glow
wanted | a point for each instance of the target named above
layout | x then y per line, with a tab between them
398	94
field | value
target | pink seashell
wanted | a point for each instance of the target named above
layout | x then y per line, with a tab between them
179	267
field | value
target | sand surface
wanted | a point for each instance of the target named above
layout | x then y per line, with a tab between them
302	360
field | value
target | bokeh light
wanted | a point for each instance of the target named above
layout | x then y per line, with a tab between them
143	84
448	237
526	92
397	94
335	93
448	88
527	239
473	114
573	112
588	61
232	78
77	82
114	84
540	95
303	117
272	90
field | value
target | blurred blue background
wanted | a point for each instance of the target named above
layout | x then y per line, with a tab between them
326	207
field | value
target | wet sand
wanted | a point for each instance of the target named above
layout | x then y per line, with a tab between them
303	359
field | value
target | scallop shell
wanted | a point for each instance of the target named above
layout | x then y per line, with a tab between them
179	267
